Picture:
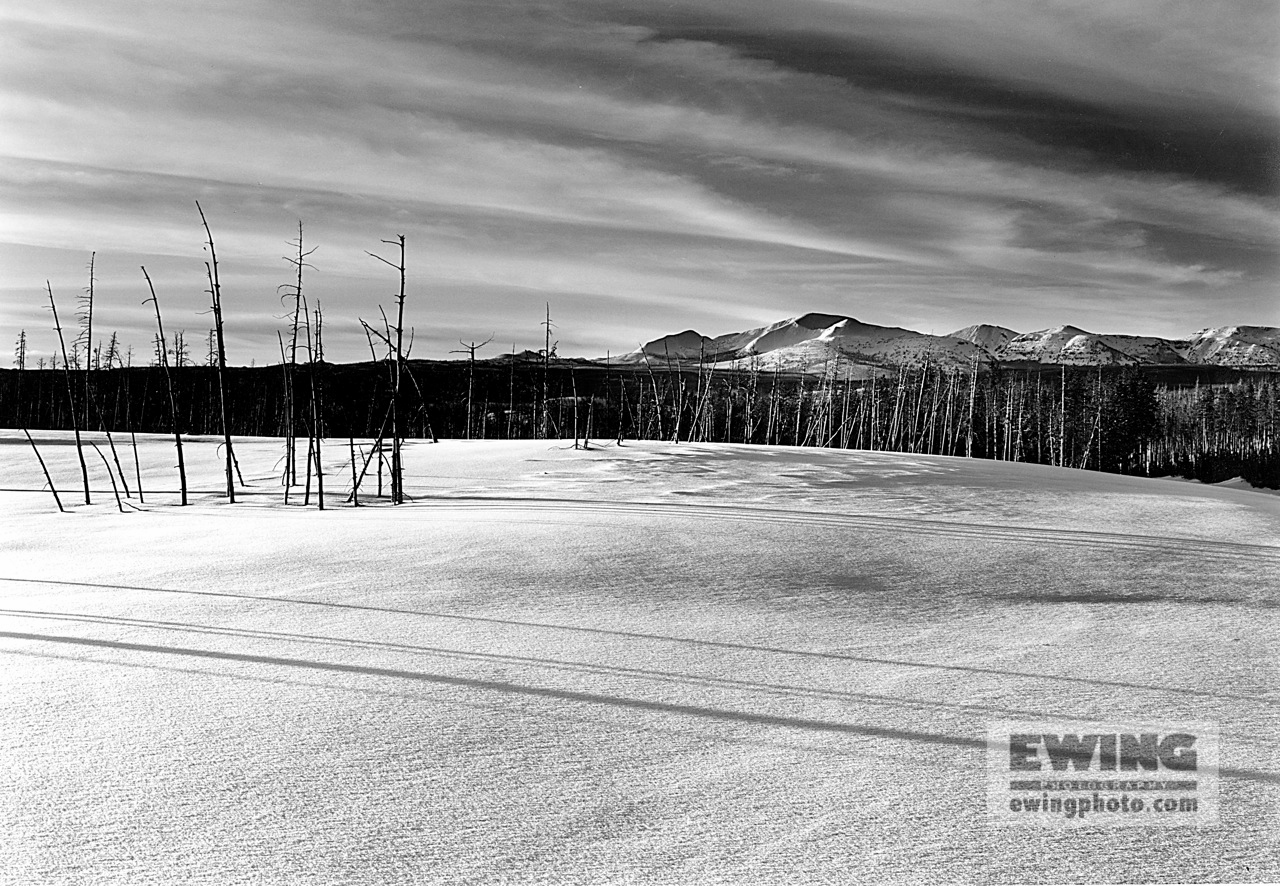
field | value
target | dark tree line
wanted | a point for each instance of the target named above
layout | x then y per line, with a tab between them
1120	421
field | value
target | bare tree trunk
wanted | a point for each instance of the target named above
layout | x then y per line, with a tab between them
844	413
397	435
679	398
973	386
315	417
355	481
291	464
71	402
287	478
511	391
115	456
173	403
470	351
137	466
316	353
88	338
573	380
45	468
375	451
873	417
215	290
110	476
657	406
695	429
306	490
622	403
1062	420
799	407
397	348
546	369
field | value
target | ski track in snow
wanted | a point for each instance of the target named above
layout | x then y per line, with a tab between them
654	663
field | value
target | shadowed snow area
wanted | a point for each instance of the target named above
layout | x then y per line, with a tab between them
650	663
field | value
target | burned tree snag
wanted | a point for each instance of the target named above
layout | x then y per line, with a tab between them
215	292
162	350
470	351
294	290
110	476
394	339
45	468
71	400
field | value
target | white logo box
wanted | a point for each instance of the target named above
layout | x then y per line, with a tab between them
1102	774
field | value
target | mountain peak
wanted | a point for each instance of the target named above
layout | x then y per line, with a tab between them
991	339
820	321
686	345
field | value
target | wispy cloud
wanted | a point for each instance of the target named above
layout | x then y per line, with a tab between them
935	164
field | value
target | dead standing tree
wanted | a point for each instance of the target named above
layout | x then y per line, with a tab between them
71	400
162	350
215	292
315	422
92	362
45	468
86	336
547	355
470	351
294	290
393	337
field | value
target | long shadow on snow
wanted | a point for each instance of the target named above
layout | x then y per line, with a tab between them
635	635
562	695
557	714
554	664
502	686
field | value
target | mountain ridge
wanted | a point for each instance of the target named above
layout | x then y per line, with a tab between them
815	341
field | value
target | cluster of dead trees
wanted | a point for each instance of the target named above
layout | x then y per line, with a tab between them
87	412
86	407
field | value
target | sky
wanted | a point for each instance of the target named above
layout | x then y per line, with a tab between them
641	166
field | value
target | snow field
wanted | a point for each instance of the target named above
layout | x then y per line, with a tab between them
653	663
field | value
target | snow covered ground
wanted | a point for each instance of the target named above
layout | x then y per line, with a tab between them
648	663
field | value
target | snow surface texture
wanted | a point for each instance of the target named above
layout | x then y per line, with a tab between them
648	664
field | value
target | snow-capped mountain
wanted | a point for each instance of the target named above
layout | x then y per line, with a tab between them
683	346
990	338
1233	346
819	342
1066	345
813	342
1226	346
1145	349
